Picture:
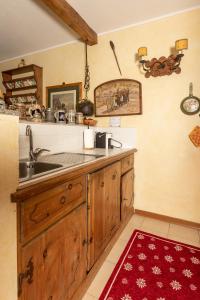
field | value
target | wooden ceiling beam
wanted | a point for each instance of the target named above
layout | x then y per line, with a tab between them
70	17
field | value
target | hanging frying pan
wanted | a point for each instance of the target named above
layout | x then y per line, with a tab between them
191	104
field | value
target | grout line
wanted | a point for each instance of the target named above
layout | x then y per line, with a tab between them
142	222
169	230
199	235
90	295
124	240
111	262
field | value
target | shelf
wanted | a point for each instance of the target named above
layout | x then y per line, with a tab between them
19	79
21	95
21	70
24	83
23	98
30	87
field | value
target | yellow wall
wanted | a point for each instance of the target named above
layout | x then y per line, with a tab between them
167	164
8	184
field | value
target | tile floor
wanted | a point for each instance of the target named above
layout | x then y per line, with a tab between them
175	232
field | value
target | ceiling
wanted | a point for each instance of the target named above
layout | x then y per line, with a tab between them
27	26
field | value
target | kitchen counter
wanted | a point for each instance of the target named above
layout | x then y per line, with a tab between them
43	181
52	158
68	208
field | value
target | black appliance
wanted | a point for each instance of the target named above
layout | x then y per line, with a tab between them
101	140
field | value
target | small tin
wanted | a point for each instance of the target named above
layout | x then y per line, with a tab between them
49	115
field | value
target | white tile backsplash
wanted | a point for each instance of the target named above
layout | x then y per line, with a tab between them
59	138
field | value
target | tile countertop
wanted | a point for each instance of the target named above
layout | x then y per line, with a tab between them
106	153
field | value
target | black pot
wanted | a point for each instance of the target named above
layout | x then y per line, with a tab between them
86	107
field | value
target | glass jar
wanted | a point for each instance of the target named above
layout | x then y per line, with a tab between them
71	116
79	118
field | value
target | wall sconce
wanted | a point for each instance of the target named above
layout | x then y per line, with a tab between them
163	66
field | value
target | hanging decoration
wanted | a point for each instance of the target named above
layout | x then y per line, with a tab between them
191	104
85	105
115	55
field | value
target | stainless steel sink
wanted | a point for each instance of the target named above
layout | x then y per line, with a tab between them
69	159
30	168
48	163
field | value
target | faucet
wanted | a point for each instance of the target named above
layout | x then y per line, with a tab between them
33	154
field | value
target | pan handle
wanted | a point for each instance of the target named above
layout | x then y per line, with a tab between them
191	89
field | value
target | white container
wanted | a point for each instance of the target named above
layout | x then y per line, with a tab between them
88	138
108	137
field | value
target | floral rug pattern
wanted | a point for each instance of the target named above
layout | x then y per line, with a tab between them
155	268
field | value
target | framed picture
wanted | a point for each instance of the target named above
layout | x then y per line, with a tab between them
121	97
65	96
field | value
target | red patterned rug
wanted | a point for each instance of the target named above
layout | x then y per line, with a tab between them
155	268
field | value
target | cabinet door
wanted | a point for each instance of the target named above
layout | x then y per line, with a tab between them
33	286
53	256
59	259
75	251
103	209
96	216
127	194
112	195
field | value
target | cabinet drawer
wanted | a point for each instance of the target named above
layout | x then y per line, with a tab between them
38	212
127	163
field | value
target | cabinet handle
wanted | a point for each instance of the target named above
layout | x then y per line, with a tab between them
102	184
45	253
62	200
69	186
27	275
84	242
113	177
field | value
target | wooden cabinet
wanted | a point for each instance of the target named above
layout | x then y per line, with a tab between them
17	87
103	209
127	194
61	235
58	259
52	242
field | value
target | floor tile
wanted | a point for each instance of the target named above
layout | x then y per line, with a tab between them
183	240
156	225
89	297
116	251
127	232
153	231
100	280
187	233
136	220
